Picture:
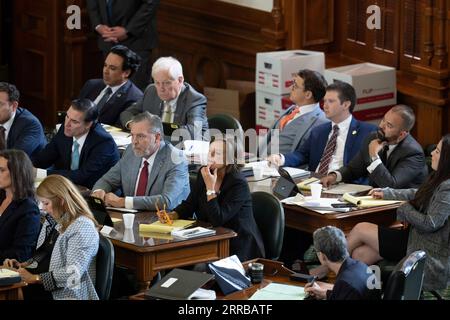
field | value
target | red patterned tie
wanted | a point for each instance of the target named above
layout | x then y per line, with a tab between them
285	120
143	179
329	151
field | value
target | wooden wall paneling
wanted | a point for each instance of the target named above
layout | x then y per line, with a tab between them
215	41
35	58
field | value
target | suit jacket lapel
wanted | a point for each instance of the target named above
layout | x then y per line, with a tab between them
116	97
156	167
351	137
304	125
181	105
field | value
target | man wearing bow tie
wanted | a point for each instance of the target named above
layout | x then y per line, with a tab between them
131	23
115	92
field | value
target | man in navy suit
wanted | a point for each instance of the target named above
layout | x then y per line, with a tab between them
19	128
330	145
353	278
115	92
81	150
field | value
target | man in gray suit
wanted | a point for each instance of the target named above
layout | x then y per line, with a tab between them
172	99
294	125
390	157
150	172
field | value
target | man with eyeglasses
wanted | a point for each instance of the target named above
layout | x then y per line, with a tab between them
390	157
82	150
330	145
173	100
294	125
151	172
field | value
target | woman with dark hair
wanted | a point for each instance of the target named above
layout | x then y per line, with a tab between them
221	196
426	214
19	212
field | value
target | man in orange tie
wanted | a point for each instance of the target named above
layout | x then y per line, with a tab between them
293	128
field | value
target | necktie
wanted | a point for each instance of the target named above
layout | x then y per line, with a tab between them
329	151
167	116
143	179
285	120
75	156
109	4
104	99
2	138
383	154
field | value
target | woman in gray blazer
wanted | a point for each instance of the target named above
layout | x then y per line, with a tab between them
426	213
71	273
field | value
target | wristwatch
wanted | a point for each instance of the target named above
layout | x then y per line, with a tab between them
210	192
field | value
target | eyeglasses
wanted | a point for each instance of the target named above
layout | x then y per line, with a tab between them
164	84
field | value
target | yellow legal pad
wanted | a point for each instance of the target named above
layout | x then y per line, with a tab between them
159	227
367	201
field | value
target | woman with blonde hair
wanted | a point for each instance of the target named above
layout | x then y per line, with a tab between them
71	273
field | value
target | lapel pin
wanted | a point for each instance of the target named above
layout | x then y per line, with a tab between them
354	132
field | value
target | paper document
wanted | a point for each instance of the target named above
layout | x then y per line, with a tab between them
323	205
193	233
159	227
278	291
268	171
342	188
203	294
368	201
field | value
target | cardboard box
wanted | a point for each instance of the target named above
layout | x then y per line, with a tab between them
375	86
238	100
275	70
269	108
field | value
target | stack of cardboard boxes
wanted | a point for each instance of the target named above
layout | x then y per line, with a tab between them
375	86
275	72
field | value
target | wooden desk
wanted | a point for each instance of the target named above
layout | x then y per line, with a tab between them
12	292
274	271
306	220
148	254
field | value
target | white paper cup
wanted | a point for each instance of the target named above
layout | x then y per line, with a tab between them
316	191
128	220
258	173
128	236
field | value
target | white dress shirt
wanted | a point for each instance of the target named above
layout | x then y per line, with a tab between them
129	200
113	89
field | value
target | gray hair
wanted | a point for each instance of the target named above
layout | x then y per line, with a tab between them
170	64
407	115
331	242
153	120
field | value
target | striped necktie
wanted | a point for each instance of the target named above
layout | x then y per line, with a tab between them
329	151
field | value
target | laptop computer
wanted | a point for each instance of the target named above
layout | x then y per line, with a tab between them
178	284
99	211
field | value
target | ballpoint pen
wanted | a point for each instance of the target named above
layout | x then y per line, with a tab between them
311	283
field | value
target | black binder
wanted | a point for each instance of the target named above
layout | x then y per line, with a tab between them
179	284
